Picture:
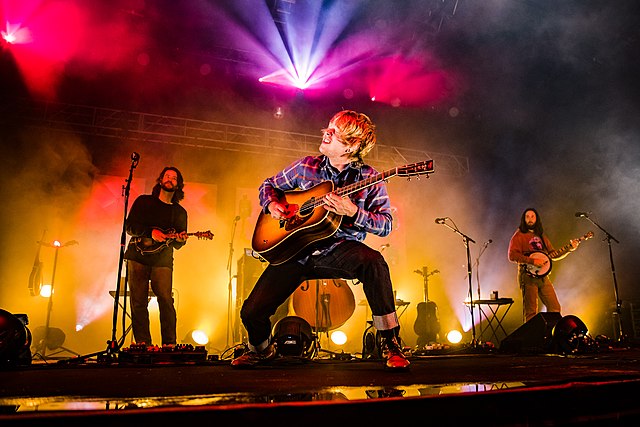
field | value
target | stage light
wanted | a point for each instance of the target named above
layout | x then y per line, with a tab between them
53	339
293	336
570	335
278	113
338	337
45	291
454	336
15	339
196	337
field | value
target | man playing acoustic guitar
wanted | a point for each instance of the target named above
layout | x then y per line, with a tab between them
528	241
348	137
157	225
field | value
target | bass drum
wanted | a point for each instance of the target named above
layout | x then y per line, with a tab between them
325	303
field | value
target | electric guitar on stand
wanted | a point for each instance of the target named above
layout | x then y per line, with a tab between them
307	221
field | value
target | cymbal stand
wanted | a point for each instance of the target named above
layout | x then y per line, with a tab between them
620	337
466	239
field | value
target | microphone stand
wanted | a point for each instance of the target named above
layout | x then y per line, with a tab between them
618	312
41	347
113	347
230	318
484	248
466	240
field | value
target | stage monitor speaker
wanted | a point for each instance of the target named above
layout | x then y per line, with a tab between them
534	336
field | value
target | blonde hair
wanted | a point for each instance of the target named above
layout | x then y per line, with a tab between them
355	128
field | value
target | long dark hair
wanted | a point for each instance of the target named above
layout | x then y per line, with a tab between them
178	194
537	229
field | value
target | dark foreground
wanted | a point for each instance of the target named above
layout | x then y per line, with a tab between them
457	388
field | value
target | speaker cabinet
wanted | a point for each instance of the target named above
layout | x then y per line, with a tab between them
533	337
248	272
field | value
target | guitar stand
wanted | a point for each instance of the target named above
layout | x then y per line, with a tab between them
433	329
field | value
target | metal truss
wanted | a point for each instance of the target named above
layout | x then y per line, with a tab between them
134	126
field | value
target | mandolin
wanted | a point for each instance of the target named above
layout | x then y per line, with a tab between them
147	246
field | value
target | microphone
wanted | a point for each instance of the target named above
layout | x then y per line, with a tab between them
237	218
441	220
582	214
385	246
135	156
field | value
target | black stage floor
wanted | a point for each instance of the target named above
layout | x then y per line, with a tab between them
453	387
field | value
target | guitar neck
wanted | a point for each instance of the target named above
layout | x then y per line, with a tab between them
559	252
352	188
565	248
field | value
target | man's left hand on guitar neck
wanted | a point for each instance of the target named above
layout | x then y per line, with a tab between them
340	205
159	236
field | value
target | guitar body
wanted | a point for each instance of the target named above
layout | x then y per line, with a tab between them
542	271
427	325
278	241
307	221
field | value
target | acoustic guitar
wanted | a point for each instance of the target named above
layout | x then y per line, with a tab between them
307	221
35	278
545	268
427	325
147	246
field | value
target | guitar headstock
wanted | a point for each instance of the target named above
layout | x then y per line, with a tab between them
588	235
204	235
421	168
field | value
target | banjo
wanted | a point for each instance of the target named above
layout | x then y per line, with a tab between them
545	268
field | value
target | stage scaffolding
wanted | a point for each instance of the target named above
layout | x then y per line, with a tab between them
154	128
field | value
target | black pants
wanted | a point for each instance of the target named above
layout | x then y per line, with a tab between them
348	260
161	279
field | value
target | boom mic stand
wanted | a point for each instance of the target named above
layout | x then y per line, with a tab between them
466	240
113	346
618	313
